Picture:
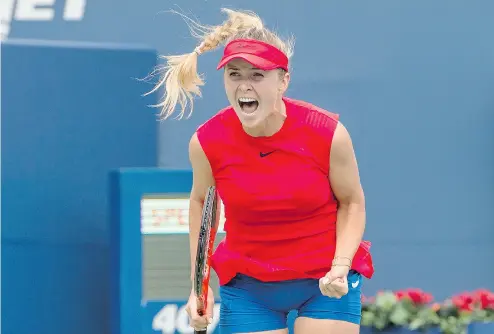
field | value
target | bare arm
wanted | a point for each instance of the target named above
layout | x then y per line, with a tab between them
202	178
345	182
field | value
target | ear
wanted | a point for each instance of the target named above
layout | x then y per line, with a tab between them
284	82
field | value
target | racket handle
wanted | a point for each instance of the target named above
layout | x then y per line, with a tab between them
201	310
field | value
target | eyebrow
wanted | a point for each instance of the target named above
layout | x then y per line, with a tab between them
231	67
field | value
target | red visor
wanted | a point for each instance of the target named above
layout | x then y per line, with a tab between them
261	55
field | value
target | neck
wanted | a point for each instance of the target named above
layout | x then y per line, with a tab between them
271	125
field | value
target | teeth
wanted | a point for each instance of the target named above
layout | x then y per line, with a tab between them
247	99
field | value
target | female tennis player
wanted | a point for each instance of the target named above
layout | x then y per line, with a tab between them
288	178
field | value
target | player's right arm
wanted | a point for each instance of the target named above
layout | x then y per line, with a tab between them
202	179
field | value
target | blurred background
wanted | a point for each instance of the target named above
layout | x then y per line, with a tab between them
94	187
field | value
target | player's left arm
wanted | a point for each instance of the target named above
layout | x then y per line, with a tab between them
345	182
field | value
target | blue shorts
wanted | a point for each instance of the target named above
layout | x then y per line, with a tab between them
250	305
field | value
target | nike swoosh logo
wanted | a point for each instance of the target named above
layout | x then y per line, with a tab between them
262	155
355	284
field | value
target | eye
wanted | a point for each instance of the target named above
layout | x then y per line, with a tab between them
257	76
234	74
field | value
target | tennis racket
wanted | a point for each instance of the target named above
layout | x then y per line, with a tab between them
207	234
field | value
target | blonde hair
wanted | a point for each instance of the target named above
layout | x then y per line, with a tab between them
180	78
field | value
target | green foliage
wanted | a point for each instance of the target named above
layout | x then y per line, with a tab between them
414	309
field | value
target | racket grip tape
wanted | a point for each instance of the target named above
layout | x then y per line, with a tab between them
202	331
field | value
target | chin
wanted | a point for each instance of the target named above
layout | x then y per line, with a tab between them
249	120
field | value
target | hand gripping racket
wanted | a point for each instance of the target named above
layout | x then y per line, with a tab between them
207	234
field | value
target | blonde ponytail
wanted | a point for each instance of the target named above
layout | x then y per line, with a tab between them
180	79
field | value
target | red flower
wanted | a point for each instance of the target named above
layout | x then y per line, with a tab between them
464	302
436	307
484	299
367	300
417	296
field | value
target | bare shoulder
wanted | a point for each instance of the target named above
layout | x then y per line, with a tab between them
342	142
202	175
344	172
195	147
197	155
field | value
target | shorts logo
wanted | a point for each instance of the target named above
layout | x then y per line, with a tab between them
355	284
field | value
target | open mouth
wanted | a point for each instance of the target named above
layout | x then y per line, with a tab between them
248	105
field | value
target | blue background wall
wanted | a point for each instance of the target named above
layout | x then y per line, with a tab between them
69	114
412	80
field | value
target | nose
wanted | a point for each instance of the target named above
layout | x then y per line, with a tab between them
244	87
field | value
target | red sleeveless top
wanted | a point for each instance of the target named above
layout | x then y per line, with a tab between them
280	210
